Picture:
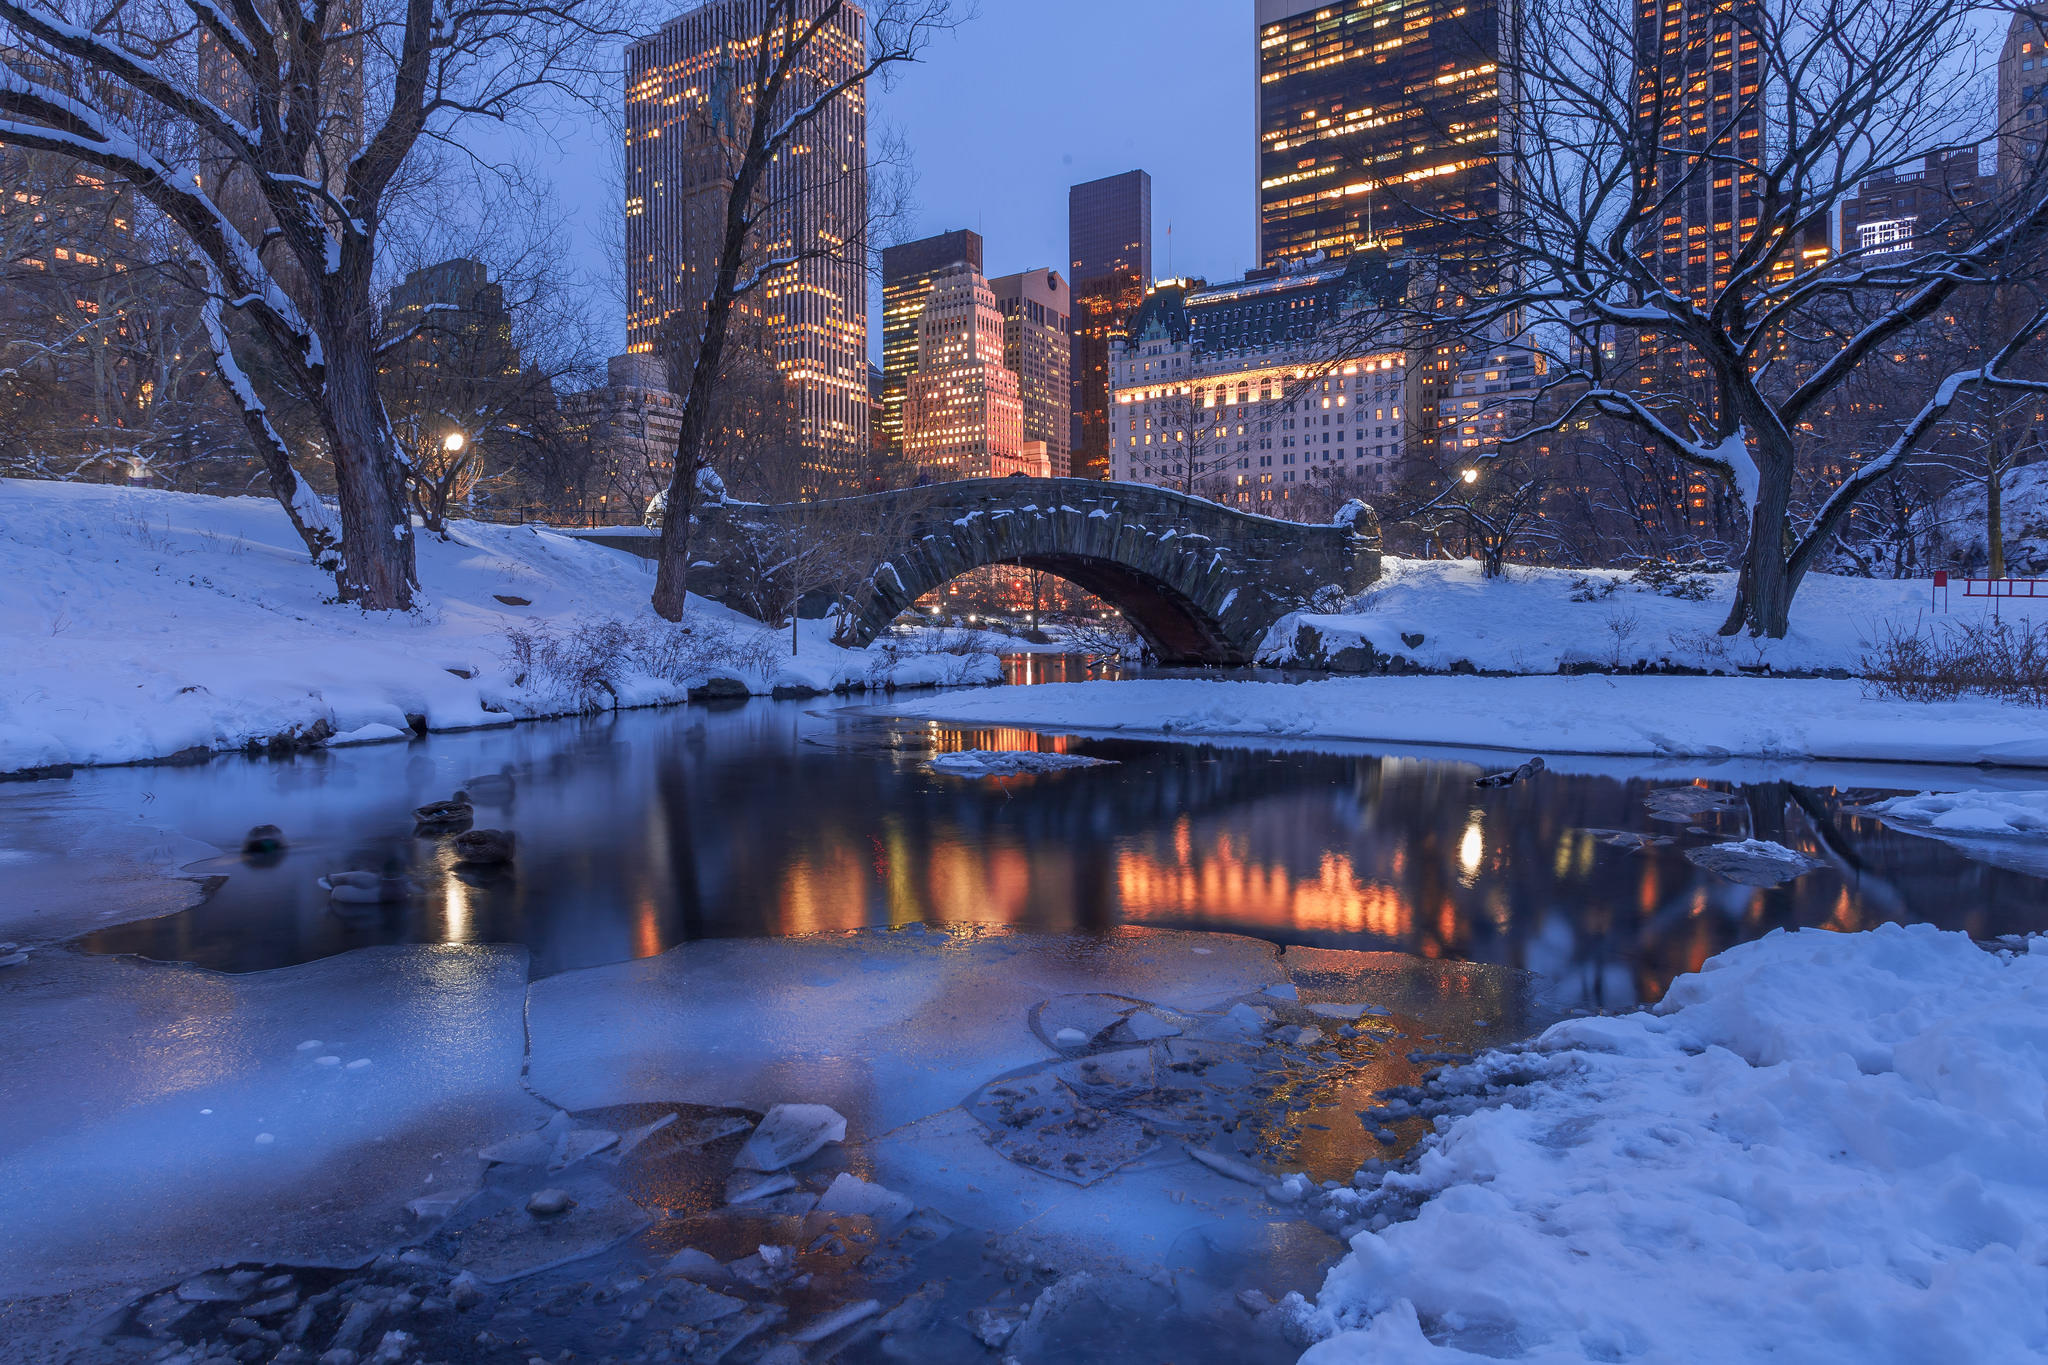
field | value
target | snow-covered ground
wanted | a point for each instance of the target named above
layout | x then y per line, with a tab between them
1661	716
140	624
1822	1147
1438	614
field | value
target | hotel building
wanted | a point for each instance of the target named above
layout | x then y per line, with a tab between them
1233	392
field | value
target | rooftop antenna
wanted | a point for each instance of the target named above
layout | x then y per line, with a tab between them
1169	252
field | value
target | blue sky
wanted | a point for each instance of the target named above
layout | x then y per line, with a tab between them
1023	101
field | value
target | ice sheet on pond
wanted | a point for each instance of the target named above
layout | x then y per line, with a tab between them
161	1119
1009	763
1753	862
883	1027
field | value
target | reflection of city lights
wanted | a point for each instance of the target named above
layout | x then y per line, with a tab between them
1222	885
455	909
1471	849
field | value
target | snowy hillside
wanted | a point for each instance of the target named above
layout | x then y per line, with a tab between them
1439	616
1955	525
141	624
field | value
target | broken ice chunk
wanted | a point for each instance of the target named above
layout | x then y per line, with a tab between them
578	1143
1224	1164
743	1187
697	1265
823	1327
790	1133
848	1193
1331	1011
1070	1037
1145	1026
1283	991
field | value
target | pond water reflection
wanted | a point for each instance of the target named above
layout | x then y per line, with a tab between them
644	830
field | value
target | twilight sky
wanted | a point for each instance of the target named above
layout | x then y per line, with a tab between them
1027	99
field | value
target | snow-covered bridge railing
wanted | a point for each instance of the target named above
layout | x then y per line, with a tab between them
1201	582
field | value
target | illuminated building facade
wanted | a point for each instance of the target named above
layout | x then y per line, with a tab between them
1373	114
1232	392
686	116
907	274
1490	398
1899	214
2022	93
963	416
1035	305
1109	247
1375	118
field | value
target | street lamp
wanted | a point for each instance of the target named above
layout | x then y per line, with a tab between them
454	442
1469	475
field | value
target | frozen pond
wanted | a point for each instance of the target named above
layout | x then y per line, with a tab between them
1088	1029
642	831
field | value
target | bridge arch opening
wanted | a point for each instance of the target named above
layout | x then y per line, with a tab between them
1174	627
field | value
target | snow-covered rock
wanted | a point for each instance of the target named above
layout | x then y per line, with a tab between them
1956	525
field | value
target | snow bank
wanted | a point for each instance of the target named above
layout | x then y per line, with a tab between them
141	624
1437	615
1820	1147
1974	813
1662	716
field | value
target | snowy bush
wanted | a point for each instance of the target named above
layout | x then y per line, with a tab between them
584	669
1992	658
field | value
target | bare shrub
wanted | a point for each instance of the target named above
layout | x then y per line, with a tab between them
1962	658
585	668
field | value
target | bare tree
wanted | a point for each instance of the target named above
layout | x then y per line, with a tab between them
1729	369
269	136
786	82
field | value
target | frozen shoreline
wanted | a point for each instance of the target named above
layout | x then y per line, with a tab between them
1820	1147
1656	717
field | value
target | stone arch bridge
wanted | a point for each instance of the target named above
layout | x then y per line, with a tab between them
1200	582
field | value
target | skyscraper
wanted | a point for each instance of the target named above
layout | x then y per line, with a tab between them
1372	116
1697	80
1375	121
2022	92
1109	241
907	274
963	417
686	115
1035	305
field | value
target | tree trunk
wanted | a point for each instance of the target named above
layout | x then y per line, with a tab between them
1763	595
1994	517
378	567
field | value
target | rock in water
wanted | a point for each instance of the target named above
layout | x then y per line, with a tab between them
484	847
264	841
790	1133
365	888
444	817
1512	775
549	1203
